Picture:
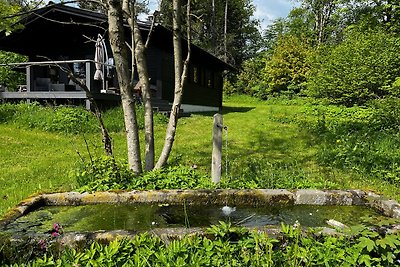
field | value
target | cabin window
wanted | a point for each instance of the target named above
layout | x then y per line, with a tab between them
202	76
209	79
217	80
195	75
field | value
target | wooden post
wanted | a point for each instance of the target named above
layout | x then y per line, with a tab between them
88	73
30	82
88	81
216	164
29	79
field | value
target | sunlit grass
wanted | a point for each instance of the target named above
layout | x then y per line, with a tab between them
263	139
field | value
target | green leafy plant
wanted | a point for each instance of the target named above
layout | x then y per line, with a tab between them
105	173
225	245
362	67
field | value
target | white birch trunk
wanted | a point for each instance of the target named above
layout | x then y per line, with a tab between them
180	78
119	49
146	95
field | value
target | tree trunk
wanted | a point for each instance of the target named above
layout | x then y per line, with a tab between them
213	28
180	70
139	60
226	32
146	95
119	49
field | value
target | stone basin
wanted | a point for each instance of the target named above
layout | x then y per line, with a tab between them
189	199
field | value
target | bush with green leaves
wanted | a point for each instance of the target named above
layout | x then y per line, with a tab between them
250	79
9	77
106	173
287	69
363	67
58	119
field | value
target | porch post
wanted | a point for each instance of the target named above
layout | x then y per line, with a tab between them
88	80
88	75
29	79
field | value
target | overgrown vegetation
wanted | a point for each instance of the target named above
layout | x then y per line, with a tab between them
361	68
101	174
226	245
66	119
9	77
342	51
296	143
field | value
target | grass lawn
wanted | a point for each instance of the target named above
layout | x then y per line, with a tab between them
263	138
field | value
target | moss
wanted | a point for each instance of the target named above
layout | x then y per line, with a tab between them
100	197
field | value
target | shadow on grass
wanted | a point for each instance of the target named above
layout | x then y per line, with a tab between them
261	148
227	110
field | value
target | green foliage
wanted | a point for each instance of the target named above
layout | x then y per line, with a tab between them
286	71
114	118
8	76
111	173
261	173
59	119
250	80
361	68
69	120
106	173
363	140
243	37
226	245
7	10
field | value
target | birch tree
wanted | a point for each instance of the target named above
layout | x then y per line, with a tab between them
116	12
119	12
119	48
138	49
181	70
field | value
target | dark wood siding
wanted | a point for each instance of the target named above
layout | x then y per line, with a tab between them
154	63
167	77
203	87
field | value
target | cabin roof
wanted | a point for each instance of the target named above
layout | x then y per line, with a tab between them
58	31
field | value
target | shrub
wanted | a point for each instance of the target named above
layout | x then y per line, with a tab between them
102	174
8	76
250	79
363	67
7	112
106	173
287	70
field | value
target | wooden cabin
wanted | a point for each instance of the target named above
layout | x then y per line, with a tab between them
59	35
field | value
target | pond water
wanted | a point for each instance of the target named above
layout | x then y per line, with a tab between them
146	216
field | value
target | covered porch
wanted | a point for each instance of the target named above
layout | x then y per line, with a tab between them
49	81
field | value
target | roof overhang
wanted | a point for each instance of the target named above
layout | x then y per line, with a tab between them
58	31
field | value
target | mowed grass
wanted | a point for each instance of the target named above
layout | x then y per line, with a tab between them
35	161
262	139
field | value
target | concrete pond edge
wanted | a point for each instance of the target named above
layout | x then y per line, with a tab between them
233	197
